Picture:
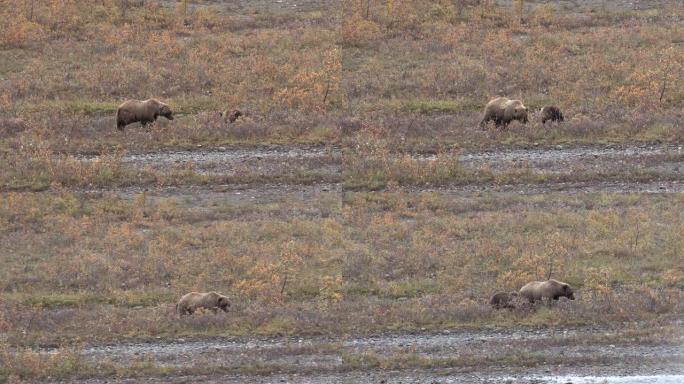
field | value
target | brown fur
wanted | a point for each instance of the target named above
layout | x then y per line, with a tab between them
504	110
549	290
193	301
552	113
145	112
501	300
231	115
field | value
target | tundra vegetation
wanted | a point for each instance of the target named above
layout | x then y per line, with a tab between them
91	253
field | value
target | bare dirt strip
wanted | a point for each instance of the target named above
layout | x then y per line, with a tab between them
660	169
550	355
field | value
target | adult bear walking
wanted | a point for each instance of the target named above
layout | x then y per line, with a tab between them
550	290
145	112
193	301
504	110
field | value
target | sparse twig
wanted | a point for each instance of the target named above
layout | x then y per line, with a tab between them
31	5
664	85
327	89
124	6
636	238
282	288
520	4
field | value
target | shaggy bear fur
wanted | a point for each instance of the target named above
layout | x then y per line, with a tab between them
501	300
192	301
145	112
231	115
549	290
504	110
552	113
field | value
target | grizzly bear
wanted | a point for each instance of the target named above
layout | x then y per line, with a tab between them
501	300
192	301
145	112
231	115
549	290
504	110
552	113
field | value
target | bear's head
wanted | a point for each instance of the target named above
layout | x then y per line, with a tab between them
234	115
165	110
520	113
567	291
223	303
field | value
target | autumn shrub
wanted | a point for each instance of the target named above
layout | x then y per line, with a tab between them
208	62
607	79
373	165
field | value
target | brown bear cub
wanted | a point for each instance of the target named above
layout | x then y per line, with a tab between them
502	111
503	300
231	116
193	301
145	112
551	113
549	290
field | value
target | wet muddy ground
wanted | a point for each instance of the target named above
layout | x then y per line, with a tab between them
308	5
555	160
594	5
663	165
550	355
562	159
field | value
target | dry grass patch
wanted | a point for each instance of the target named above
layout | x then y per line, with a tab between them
106	268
